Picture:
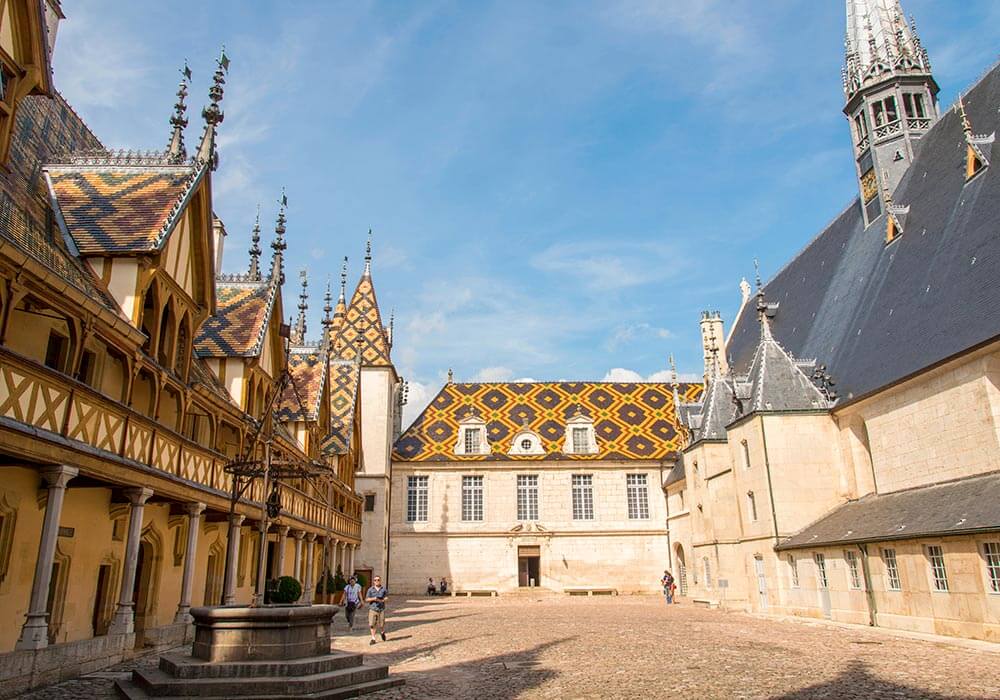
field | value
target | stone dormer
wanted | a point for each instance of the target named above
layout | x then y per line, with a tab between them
472	439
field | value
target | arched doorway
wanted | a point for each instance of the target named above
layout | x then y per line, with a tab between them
682	583
144	588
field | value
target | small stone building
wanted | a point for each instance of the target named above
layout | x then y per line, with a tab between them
500	486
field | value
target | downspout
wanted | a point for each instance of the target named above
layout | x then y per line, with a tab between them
770	487
869	592
666	505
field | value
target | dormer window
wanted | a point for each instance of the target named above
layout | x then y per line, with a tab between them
580	439
472	436
526	443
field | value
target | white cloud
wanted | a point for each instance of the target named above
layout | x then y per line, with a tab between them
493	374
419	396
626	335
621	374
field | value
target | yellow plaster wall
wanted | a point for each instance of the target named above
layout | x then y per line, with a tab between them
122	285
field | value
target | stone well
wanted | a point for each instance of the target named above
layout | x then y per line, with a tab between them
269	633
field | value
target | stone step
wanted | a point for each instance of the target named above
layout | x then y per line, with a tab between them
128	690
157	683
180	665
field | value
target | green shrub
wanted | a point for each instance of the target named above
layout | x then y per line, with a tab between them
289	590
362	582
339	582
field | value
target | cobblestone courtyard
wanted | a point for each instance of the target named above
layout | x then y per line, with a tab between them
635	647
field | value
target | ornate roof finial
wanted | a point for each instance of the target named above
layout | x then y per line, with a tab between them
922	55
278	245
966	124
300	322
343	281
886	194
451	376
392	325
761	305
176	151
212	114
673	370
255	250
327	305
368	256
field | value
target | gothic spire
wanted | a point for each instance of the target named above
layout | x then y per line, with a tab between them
299	334
255	250
343	282
212	114
879	44
176	151
327	305
278	245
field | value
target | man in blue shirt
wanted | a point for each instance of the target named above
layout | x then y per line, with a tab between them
375	597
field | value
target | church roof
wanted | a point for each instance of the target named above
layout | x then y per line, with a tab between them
707	418
345	376
636	421
238	327
963	506
120	203
873	313
361	329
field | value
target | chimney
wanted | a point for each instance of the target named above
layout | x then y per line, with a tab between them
713	343
218	241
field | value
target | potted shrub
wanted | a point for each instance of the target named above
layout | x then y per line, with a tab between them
288	590
339	584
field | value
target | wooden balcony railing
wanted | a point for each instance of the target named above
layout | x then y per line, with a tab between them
39	396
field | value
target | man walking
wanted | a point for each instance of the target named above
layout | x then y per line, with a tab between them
375	597
352	598
668	586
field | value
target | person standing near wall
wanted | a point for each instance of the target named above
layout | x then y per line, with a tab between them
352	600
375	597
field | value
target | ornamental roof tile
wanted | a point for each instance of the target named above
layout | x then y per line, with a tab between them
111	206
362	328
345	378
300	398
632	421
238	327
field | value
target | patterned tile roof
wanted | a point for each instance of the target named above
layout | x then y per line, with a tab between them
242	310
344	382
120	208
631	420
308	369
362	326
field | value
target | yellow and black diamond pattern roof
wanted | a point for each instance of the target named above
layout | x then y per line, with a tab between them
119	209
241	315
362	328
631	420
344	376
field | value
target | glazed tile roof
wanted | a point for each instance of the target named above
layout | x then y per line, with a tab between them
963	506
345	376
631	420
362	326
111	206
237	329
300	398
874	314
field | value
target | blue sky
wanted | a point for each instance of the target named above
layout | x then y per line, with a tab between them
557	189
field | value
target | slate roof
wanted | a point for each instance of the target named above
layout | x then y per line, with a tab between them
632	421
345	383
238	327
363	322
778	382
110	206
964	506
874	313
307	365
707	419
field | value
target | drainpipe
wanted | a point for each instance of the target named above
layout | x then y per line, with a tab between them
770	487
666	505
869	593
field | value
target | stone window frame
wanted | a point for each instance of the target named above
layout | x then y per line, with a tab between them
637	496
582	492
417	508
473	498
535	449
853	572
793	570
528	497
990	552
822	577
752	506
472	422
578	420
891	566
934	553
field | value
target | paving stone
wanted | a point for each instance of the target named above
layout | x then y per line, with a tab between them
633	647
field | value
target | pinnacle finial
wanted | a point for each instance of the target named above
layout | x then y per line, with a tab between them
673	370
451	376
886	194
255	250
278	245
392	324
966	124
368	255
327	305
300	322
176	151
343	280
212	114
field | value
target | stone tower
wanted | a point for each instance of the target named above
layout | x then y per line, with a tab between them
891	96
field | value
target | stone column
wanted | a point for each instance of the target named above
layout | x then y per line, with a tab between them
232	555
194	511
350	559
309	585
279	555
124	619
35	632
298	535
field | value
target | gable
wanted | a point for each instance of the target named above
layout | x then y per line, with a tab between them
362	330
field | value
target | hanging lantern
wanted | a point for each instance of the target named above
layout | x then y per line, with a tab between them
274	502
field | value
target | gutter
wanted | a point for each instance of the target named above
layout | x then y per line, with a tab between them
869	593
